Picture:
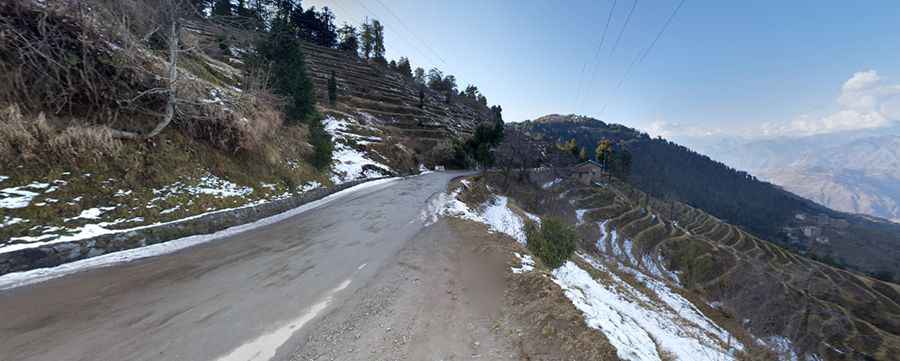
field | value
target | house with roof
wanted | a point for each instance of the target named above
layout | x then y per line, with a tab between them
588	172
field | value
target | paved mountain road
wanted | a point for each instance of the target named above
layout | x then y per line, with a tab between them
358	278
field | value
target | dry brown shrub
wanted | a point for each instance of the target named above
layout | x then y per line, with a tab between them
19	139
24	137
78	142
241	124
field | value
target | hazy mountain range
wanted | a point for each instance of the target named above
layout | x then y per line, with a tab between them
855	172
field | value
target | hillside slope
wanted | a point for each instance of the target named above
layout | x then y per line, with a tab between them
755	291
670	171
65	177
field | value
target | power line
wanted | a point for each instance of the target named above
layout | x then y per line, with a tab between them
596	56
425	43
646	51
627	20
414	47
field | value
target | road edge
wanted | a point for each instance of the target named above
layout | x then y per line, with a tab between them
42	263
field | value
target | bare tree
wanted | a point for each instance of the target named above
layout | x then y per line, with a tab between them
171	83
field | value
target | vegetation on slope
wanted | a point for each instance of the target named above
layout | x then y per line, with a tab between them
669	171
752	287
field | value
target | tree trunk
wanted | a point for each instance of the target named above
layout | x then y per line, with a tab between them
173	73
169	113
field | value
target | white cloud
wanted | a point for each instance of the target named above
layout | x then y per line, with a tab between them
669	130
865	103
862	80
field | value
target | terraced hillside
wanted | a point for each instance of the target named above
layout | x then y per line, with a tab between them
758	290
668	170
391	101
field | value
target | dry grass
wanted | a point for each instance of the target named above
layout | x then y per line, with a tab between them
25	138
98	63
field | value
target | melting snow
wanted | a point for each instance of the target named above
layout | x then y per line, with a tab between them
526	263
579	214
208	184
20	197
349	162
500	218
495	213
552	183
92	213
444	204
308	186
635	324
8	221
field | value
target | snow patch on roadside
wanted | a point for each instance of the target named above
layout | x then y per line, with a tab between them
500	218
494	213
526	263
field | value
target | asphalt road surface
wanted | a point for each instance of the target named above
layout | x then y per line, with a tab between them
361	278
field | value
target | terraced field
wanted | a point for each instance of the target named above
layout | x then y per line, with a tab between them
391	100
759	287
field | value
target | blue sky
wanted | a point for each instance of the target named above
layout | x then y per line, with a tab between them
721	67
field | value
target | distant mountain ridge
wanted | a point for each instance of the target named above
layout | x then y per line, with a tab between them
856	173
668	170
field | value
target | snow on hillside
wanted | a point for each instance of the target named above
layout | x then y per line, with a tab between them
647	321
643	325
349	162
116	212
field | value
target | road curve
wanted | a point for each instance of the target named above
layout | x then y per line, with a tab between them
245	297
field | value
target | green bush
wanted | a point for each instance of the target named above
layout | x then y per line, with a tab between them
553	241
323	148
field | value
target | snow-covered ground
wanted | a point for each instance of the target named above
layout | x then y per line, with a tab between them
639	326
551	184
526	263
495	213
20	197
101	219
648	323
349	162
206	184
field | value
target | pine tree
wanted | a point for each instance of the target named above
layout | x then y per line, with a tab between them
367	40
419	76
222	8
435	79
404	67
332	89
284	56
378	40
327	34
349	39
323	148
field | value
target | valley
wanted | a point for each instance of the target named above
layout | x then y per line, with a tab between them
259	181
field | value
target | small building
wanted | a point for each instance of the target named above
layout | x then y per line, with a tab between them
588	172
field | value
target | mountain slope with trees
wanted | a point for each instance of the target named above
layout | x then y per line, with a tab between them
124	114
670	171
